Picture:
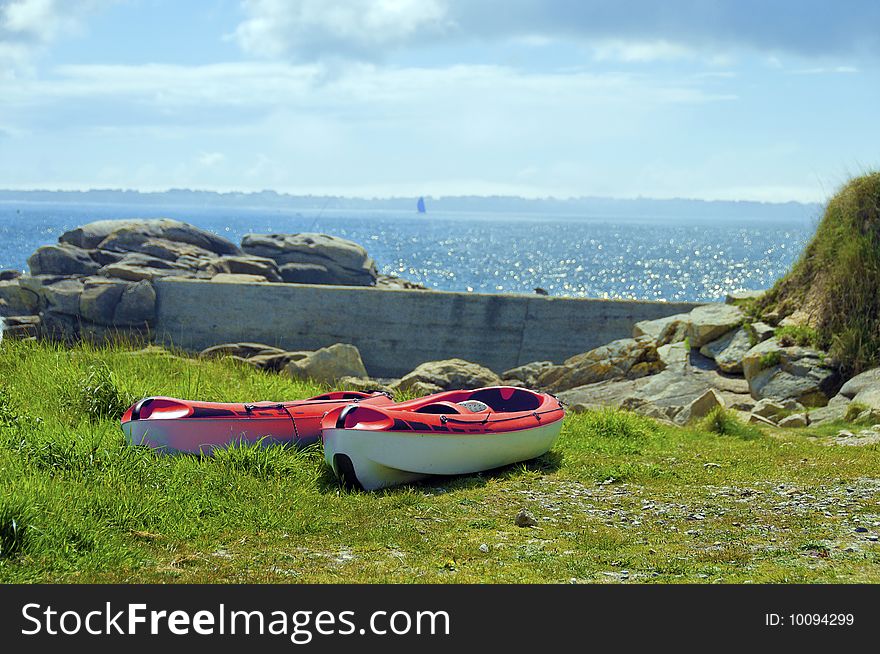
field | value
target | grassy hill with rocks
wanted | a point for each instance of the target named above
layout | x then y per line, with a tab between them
834	288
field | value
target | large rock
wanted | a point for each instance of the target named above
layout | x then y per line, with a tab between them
345	262
601	394
121	234
868	396
729	350
135	266
627	358
62	260
699	407
449	374
527	373
58	294
110	302
861	382
711	321
17	300
329	364
663	331
798	373
246	265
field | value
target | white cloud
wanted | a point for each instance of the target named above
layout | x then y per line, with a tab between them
211	159
28	26
640	51
276	27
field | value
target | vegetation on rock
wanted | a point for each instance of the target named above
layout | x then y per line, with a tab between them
834	287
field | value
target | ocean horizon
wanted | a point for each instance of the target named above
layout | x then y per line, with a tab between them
568	255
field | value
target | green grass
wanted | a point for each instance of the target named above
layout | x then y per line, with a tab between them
801	335
836	281
619	498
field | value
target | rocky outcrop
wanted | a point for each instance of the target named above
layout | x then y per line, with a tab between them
627	358
798	373
141	235
525	375
663	331
729	350
711	321
448	374
329	364
314	258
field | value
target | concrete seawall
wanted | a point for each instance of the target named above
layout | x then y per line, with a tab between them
396	330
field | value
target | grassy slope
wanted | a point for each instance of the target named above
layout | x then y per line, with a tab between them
836	282
618	498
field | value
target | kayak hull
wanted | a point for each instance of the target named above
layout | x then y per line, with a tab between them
173	425
383	459
451	433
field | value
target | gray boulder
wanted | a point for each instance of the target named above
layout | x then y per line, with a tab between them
711	321
246	265
760	331
699	407
671	329
729	350
448	374
627	358
308	273
62	260
860	383
329	364
345	262
122	234
135	266
17	300
527	373
795	420
868	396
798	373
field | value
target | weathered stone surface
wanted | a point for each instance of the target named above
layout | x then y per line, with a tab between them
869	396
861	382
307	273
62	259
793	372
20	327
246	265
234	278
834	411
729	350
662	331
675	356
711	321
448	374
527	373
755	419
699	407
17	300
329	364
392	282
795	420
135	266
116	234
99	300
362	384
345	262
760	331
417	389
738	296
61	296
627	358
769	408
137	305
608	393
7	275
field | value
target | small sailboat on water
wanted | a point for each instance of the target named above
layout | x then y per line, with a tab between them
420	205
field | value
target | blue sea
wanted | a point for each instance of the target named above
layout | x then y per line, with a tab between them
573	256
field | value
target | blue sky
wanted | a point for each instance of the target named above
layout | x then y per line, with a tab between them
772	100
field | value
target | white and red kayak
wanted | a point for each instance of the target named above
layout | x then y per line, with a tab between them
373	446
173	425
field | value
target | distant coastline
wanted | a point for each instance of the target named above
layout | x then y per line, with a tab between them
680	209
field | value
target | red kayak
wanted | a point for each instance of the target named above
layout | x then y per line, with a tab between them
174	425
456	432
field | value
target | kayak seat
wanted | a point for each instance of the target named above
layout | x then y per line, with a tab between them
474	406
